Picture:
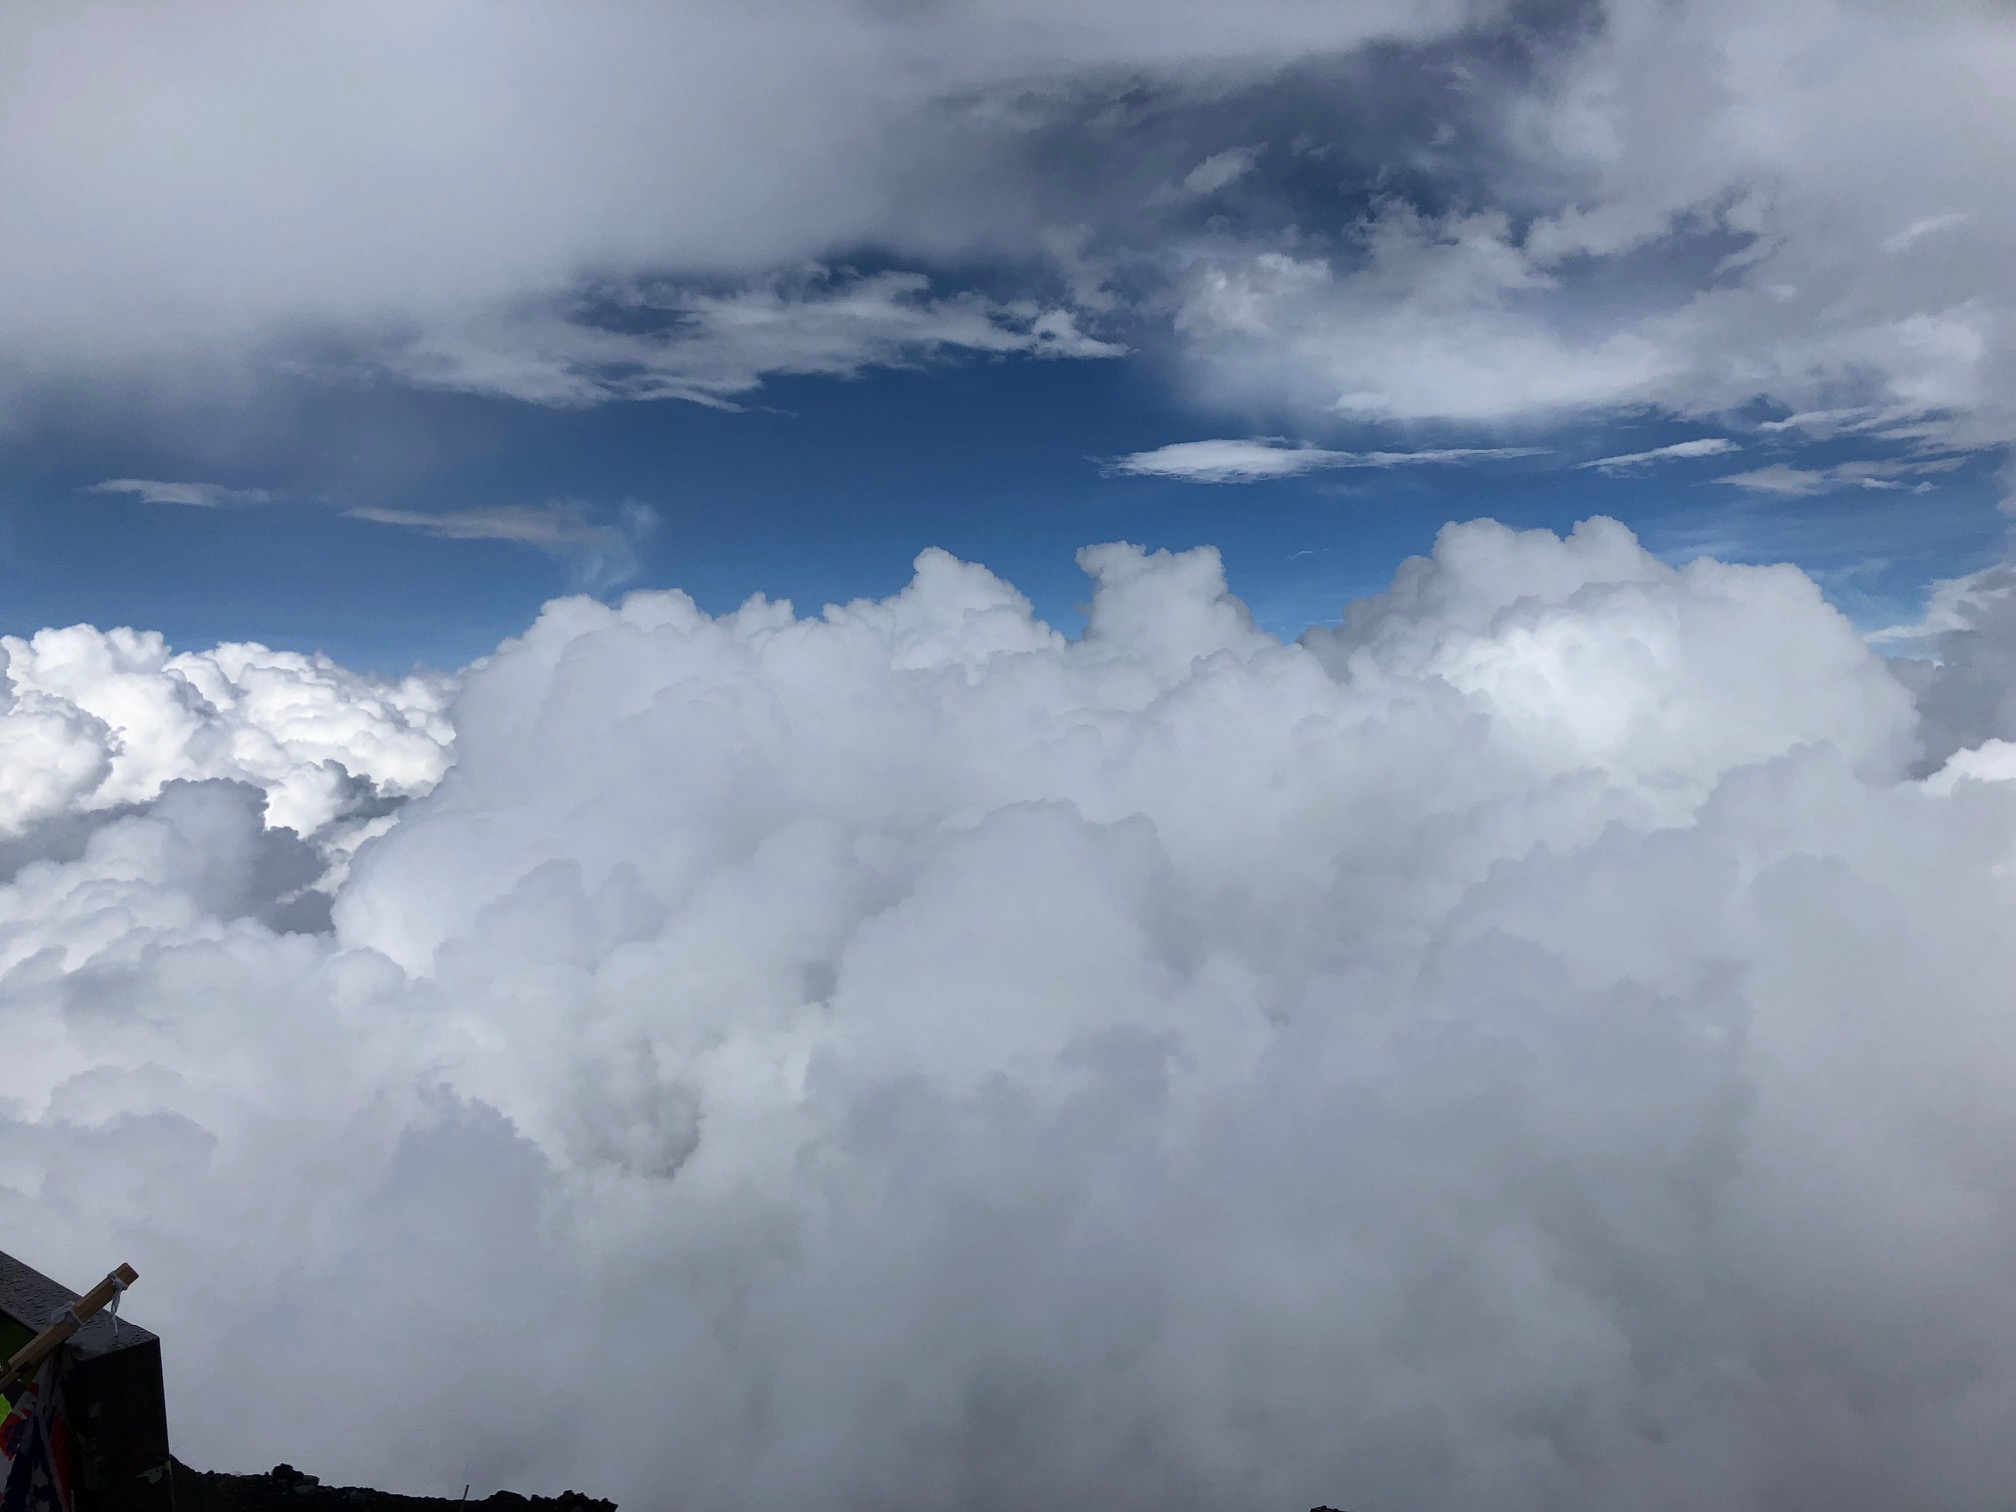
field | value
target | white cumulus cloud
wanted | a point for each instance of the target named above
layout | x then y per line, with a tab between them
1535	1045
93	720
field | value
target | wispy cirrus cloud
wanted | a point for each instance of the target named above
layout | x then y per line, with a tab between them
1789	482
195	495
1679	451
600	548
671	341
1918	230
601	551
1262	458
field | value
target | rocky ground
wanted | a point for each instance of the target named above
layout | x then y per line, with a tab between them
285	1489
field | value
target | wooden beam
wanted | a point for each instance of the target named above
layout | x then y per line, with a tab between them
29	1357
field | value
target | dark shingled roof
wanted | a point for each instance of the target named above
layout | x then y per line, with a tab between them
33	1300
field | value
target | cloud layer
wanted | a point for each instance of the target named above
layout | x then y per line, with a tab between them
1534	1046
564	204
1458	213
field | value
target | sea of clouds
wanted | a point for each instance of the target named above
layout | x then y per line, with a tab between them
1544	1043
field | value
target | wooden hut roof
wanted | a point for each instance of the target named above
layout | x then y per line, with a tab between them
32	1300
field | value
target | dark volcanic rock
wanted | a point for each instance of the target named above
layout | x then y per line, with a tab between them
285	1489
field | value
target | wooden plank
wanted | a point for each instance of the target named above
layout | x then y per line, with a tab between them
30	1357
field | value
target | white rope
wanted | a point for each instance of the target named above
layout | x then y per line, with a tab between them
118	1290
112	1307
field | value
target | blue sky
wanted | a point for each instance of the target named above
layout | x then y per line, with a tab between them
827	493
377	367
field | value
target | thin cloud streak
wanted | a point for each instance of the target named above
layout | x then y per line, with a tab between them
715	349
601	553
1679	451
1261	459
1785	481
194	495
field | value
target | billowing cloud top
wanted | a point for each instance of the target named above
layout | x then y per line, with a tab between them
93	720
1535	1045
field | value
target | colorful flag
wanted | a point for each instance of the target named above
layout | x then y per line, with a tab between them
35	1449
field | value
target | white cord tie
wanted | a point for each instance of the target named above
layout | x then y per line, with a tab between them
112	1307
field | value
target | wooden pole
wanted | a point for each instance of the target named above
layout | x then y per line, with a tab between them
30	1356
